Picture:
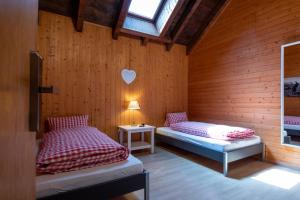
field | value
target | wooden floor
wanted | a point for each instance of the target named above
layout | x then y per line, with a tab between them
176	174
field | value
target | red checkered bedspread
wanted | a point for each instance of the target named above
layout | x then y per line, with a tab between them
215	131
292	120
77	148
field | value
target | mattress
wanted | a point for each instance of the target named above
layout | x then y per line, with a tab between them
291	127
51	184
209	143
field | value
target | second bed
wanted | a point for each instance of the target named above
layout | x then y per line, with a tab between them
218	150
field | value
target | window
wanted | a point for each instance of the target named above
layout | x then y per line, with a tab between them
149	16
145	8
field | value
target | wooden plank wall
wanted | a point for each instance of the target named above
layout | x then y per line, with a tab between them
86	68
292	69
18	22
234	71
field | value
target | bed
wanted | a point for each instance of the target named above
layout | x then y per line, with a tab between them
292	130
218	150
76	161
101	182
292	125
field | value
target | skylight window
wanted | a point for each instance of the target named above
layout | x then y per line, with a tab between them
150	16
145	8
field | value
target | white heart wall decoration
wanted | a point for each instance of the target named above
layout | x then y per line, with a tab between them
128	75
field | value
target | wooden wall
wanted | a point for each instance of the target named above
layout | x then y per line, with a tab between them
292	69
18	22
234	71
292	61
86	68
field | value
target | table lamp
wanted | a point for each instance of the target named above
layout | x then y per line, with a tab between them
133	105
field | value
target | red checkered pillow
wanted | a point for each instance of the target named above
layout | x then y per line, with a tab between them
173	118
56	123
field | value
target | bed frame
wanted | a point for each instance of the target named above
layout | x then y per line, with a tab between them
223	157
108	189
292	132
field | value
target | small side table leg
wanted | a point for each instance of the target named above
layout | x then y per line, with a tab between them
129	141
152	141
143	137
121	136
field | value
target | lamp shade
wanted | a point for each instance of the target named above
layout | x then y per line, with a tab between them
134	105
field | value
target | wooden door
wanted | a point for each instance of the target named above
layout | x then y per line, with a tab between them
18	29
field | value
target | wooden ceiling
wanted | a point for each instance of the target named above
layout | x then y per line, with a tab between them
185	26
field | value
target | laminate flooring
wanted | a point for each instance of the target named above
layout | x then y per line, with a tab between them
177	174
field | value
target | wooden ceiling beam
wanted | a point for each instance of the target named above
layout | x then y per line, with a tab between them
171	18
122	15
144	41
78	18
218	9
184	20
169	46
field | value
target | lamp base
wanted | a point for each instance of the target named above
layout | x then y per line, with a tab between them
134	124
139	125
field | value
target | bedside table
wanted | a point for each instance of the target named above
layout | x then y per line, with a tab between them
136	129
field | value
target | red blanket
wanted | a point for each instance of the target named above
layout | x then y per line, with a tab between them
292	120
77	148
221	132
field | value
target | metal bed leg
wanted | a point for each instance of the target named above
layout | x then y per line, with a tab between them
146	189
225	164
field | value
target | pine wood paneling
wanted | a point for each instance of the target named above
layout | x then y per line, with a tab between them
292	106
18	22
292	61
86	68
234	71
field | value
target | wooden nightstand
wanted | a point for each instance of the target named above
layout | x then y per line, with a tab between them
136	129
